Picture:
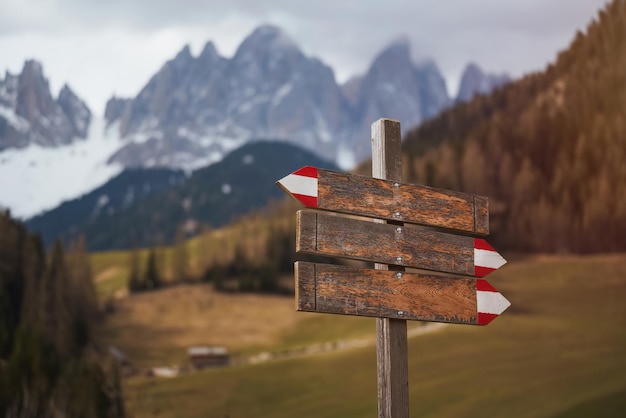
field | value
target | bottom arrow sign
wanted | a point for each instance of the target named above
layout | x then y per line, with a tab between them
345	290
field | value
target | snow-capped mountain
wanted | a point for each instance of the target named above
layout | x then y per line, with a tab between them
196	109
37	177
29	114
475	81
208	105
396	88
50	150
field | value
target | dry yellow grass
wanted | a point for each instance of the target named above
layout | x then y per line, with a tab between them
107	274
156	327
558	351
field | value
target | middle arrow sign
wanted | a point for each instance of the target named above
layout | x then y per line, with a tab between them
326	234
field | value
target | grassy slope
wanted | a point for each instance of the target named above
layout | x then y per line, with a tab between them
560	350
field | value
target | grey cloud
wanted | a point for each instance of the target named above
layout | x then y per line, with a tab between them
516	36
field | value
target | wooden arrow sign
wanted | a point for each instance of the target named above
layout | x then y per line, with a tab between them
324	234
383	199
351	291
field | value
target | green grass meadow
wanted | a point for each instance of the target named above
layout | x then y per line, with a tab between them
559	351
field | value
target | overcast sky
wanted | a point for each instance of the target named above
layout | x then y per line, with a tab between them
106	47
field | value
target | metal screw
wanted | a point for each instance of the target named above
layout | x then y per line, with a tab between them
399	230
400	313
396	185
396	214
398	275
399	259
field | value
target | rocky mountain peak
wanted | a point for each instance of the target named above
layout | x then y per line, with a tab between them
114	109
209	52
268	48
397	88
400	49
33	96
30	115
8	89
184	55
268	37
76	110
393	61
475	81
194	110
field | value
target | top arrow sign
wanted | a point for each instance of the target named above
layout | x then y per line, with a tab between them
383	199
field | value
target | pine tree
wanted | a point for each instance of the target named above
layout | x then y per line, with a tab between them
181	257
82	291
56	302
34	262
134	279
152	279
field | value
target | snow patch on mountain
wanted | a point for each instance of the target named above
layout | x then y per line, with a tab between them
17	122
36	178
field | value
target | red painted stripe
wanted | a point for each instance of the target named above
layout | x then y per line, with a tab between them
481	244
307	171
485	318
482	271
309	201
484	286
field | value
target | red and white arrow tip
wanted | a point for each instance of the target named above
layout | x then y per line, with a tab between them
302	184
486	259
489	301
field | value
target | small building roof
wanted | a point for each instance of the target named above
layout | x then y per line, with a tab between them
207	351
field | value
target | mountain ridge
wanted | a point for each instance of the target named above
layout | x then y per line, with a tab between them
30	115
211	196
196	109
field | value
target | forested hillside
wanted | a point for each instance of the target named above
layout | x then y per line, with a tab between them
548	150
49	363
212	197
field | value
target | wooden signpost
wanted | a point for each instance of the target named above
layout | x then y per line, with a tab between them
387	227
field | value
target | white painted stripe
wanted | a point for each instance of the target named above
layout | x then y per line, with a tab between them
300	184
486	258
491	302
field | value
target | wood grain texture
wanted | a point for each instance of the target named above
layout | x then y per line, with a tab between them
391	335
379	293
304	287
396	201
339	236
393	368
386	150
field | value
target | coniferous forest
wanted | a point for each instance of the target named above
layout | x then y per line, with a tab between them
50	365
549	150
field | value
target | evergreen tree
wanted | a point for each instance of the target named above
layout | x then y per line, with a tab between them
181	257
57	329
46	368
83	292
134	279
152	279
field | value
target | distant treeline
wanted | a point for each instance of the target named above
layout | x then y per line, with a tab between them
49	363
249	255
252	254
548	150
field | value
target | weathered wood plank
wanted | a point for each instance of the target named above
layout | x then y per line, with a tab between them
390	294
340	236
379	293
391	336
386	199
305	288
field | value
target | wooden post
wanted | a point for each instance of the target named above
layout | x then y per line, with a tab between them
391	342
